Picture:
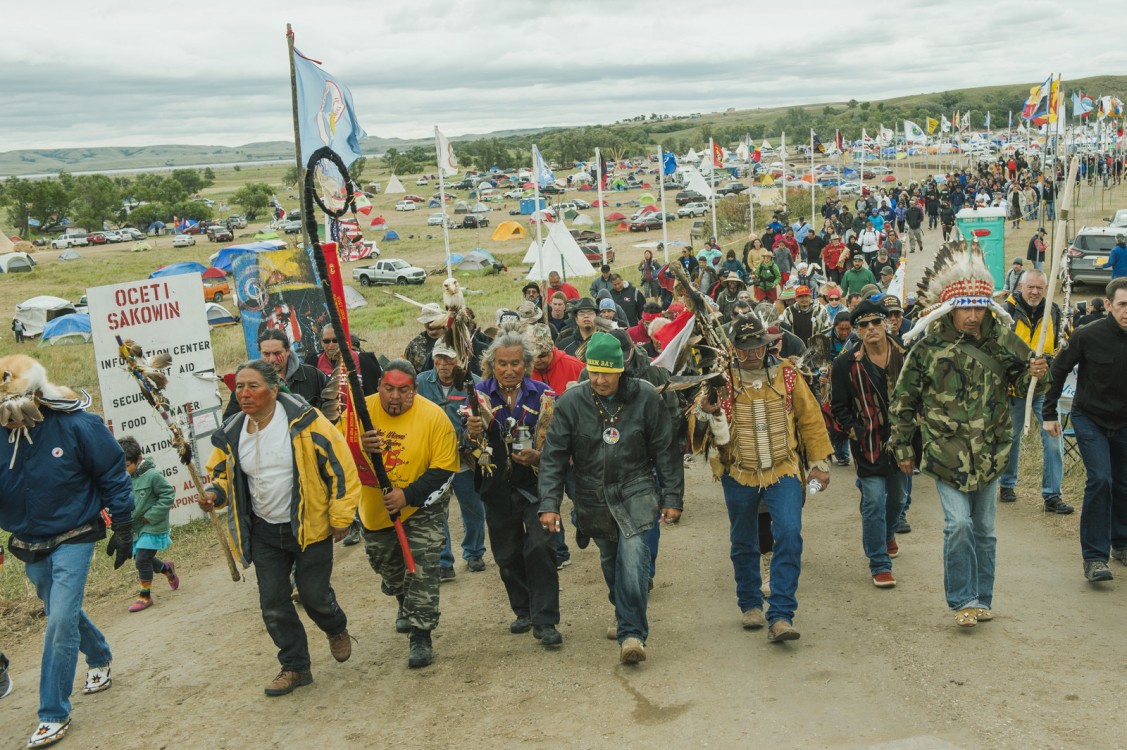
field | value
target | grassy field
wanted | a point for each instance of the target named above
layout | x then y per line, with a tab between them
385	323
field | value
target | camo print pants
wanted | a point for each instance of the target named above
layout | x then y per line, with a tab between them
425	535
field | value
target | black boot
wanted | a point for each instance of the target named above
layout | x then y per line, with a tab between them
402	624
421	653
353	535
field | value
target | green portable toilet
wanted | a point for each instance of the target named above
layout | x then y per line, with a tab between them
988	226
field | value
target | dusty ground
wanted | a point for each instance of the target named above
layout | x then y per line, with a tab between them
872	666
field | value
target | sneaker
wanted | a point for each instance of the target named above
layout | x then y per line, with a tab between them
781	630
445	574
353	535
893	548
765	573
1119	555
421	652
884	580
5	677
632	651
1054	504
48	733
1097	570
520	625
141	602
563	563
286	682
1007	494
97	680
752	619
547	635
475	565
904	527
842	461
170	574
340	645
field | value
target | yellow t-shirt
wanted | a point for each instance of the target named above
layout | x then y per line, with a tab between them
422	438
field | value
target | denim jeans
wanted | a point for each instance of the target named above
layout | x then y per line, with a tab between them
881	501
524	555
626	565
840	445
473	521
907	497
1052	450
784	502
60	582
969	544
275	552
1103	519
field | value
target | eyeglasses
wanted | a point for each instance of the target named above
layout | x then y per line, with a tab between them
833	299
868	323
328	341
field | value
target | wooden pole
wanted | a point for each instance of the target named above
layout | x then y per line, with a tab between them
296	125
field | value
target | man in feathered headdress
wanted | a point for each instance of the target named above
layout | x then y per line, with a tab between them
62	467
954	388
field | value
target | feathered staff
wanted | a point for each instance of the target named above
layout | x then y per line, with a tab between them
325	169
459	337
146	372
711	343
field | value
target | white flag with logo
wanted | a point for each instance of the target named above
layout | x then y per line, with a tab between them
913	133
447	161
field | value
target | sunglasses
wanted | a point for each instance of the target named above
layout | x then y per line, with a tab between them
833	299
328	341
869	323
436	329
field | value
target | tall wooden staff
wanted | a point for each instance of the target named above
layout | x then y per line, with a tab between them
1059	244
156	398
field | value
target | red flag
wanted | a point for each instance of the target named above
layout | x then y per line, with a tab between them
717	155
348	424
840	141
756	155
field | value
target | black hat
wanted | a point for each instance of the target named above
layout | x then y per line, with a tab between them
867	308
585	303
748	332
530	285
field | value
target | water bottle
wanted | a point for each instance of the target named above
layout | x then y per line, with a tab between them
813	487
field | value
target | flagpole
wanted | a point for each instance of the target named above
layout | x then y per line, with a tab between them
661	192
862	177
783	151
812	178
536	168
442	203
602	211
296	125
712	180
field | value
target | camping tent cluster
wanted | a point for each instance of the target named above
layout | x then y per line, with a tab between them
560	253
36	312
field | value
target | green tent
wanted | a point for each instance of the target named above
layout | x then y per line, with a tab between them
266	236
647	199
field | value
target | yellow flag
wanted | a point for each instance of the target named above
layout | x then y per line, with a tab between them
932	124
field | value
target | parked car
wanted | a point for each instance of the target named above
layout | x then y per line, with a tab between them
129	233
236	221
220	233
692	209
405	206
1119	219
450	197
422	181
551	189
689	196
595	255
183	240
415	198
435	220
292	226
69	240
215	291
585	236
646	222
391	271
1091	247
473	221
696	232
96	238
732	188
112	235
580	204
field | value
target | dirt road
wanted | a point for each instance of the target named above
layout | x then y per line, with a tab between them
872	666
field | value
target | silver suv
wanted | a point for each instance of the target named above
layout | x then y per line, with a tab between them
1090	248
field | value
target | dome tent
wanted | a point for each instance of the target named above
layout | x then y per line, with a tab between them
73	328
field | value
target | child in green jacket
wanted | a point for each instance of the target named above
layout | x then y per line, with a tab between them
152	497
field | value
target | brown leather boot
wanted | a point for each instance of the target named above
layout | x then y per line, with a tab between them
340	645
286	682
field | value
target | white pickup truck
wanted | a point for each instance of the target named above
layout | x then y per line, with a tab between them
70	239
389	272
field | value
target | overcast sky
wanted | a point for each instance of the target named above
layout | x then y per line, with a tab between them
130	73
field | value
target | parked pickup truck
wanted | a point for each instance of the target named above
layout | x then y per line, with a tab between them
472	221
70	240
392	271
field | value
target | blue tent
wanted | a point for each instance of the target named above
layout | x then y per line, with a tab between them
66	329
177	269
390	235
227	255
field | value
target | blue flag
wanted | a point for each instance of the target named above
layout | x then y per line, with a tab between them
544	175
668	162
325	114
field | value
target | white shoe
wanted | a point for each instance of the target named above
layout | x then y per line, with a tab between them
48	733
97	680
765	572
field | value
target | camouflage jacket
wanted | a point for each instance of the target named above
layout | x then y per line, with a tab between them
960	406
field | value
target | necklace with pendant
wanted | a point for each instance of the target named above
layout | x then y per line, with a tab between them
611	435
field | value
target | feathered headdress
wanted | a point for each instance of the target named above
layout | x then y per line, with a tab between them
958	278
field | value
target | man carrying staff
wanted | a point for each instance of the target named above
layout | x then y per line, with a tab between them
861	387
520	543
955	388
417	444
616	497
301	379
774	418
287	477
62	468
1099	416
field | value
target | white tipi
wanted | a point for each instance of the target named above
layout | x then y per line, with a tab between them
394	186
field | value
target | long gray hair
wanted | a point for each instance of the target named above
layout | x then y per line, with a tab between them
505	340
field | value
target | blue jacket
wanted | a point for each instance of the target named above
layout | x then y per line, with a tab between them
427	386
62	478
1117	260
